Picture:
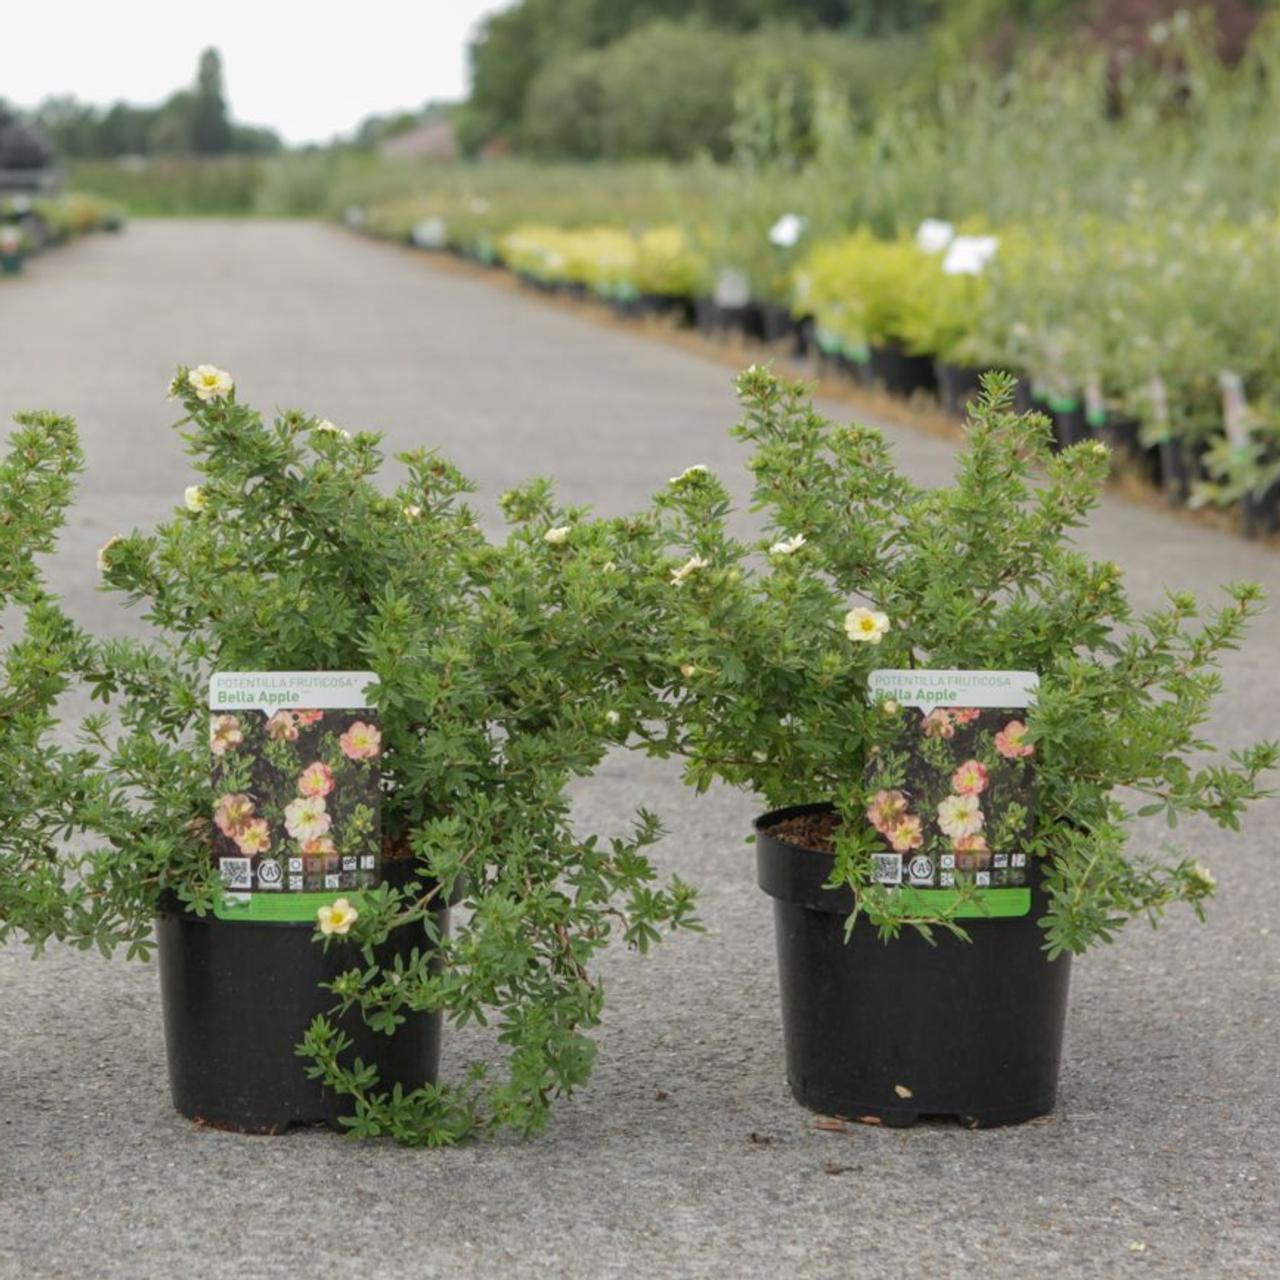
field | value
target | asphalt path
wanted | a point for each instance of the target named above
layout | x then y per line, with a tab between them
686	1156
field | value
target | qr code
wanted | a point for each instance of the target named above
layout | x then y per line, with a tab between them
886	868
236	873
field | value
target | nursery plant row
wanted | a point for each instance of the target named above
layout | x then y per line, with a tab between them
354	711
31	225
1153	334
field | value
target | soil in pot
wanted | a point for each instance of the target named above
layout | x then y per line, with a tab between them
238	997
892	1032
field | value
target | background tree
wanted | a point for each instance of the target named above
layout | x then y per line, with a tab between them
210	128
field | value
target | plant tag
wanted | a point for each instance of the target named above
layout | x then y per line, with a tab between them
786	232
431	233
1235	409
732	288
969	255
1095	405
933	235
296	768
952	785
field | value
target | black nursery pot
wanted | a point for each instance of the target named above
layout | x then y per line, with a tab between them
957	385
899	373
891	1032
238	997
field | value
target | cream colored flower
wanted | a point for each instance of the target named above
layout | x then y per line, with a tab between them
865	625
210	383
686	570
787	546
413	513
890	708
194	498
1202	878
337	918
960	816
104	553
687	670
558	536
688	473
307	818
612	717
329	429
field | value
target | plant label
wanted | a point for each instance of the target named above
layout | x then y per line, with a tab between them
296	770
933	235
952	788
786	232
969	255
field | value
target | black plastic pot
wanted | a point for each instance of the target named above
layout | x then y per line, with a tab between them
1260	512
776	323
1124	435
891	1032
899	373
957	385
238	997
707	317
1176	470
1069	425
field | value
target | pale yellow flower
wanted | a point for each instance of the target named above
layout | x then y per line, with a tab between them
1203	878
104	553
688	473
865	626
413	513
194	498
558	536
686	570
787	546
337	918
210	383
329	429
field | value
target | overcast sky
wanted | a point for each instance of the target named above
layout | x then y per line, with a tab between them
309	70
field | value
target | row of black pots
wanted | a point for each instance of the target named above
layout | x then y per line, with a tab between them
886	1032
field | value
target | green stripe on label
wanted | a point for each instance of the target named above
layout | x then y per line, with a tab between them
990	902
281	908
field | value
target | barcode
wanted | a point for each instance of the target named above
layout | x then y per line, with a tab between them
886	868
236	873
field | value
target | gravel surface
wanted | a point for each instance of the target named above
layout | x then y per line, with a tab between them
686	1156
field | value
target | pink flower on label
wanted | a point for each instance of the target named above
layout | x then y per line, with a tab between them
320	845
1010	741
224	734
361	742
307	718
306	818
232	813
970	844
254	837
964	715
282	727
315	780
886	809
970	779
906	834
938	724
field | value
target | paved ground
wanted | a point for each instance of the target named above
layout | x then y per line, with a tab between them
1160	1160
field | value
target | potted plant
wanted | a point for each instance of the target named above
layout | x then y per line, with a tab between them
470	683
771	664
11	250
41	782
